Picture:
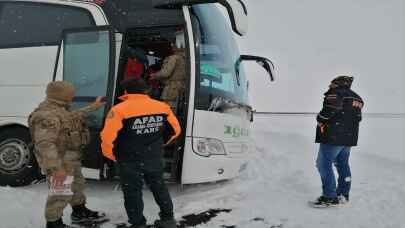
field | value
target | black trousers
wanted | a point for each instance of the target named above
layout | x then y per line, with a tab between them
133	175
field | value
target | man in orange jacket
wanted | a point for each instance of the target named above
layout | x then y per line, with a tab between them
133	136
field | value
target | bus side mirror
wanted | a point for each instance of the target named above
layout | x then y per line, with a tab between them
264	62
237	11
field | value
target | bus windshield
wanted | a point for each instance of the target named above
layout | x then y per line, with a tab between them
217	54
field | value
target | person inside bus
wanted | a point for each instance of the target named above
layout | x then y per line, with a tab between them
172	75
155	86
138	67
137	64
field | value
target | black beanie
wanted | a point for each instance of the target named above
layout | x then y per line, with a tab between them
133	86
342	81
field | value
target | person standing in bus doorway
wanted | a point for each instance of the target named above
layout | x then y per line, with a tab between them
133	136
59	135
337	131
137	64
138	67
172	75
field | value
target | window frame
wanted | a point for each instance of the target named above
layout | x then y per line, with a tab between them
199	91
49	43
111	86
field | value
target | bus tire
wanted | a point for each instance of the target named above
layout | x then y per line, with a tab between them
18	166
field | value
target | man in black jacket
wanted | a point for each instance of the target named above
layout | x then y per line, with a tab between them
337	132
133	136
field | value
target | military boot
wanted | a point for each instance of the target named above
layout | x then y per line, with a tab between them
57	224
81	214
167	223
138	226
123	225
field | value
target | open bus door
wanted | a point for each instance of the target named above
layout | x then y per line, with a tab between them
86	58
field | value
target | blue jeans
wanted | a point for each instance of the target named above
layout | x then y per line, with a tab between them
339	155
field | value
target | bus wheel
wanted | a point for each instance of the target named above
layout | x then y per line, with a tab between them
18	166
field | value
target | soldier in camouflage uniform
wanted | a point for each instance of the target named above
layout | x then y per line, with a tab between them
173	76
59	136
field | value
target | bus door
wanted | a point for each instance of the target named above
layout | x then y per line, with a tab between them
86	58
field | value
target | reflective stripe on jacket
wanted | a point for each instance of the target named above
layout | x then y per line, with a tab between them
338	121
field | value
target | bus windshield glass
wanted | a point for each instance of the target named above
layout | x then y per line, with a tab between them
217	54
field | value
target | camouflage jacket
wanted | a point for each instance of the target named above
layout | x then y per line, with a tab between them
172	75
58	134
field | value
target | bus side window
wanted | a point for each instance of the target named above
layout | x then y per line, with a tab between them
31	24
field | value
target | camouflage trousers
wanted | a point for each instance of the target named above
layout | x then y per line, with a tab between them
56	204
172	90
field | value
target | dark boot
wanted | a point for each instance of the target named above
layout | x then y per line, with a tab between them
324	201
123	225
138	226
81	214
167	223
57	224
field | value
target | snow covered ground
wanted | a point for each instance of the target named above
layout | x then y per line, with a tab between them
273	191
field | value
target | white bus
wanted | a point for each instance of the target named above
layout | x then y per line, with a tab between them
86	44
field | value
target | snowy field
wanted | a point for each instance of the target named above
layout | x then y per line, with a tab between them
273	191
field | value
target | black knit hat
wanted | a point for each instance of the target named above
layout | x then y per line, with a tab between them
133	86
342	81
138	54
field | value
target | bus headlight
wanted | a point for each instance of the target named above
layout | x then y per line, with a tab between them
207	147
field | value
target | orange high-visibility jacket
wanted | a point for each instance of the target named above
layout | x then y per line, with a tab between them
132	126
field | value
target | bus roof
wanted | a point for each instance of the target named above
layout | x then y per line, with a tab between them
126	14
